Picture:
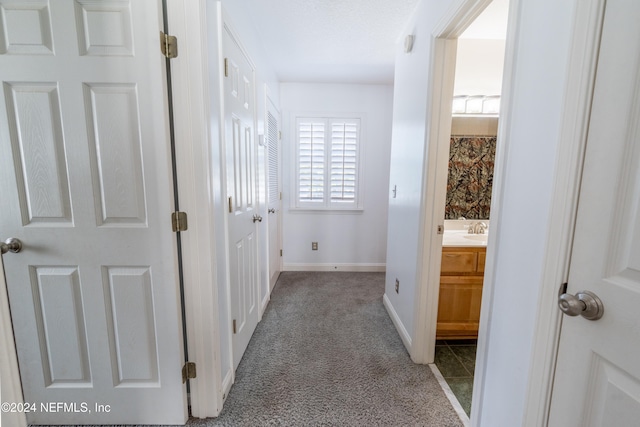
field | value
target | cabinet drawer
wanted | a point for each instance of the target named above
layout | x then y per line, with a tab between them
459	262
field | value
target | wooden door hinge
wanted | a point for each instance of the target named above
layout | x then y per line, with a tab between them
168	45
188	371
179	221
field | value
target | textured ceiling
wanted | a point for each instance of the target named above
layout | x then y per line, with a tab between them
345	41
349	41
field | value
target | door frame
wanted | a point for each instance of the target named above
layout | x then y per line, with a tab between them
442	69
559	235
195	119
9	372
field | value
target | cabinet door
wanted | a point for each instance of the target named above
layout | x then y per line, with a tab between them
459	306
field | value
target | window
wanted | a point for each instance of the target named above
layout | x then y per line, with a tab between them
327	154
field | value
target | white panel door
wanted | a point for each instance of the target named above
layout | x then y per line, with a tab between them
597	380
239	100
85	179
273	192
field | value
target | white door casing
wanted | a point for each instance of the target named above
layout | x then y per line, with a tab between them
239	123
274	187
86	180
597	379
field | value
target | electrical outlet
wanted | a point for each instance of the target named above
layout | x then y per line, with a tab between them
397	286
314	246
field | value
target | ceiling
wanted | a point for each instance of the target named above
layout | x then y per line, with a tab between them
331	41
346	41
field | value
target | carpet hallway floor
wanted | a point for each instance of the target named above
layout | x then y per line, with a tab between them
327	354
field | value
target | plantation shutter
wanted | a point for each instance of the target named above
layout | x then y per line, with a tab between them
343	162
311	161
328	150
272	143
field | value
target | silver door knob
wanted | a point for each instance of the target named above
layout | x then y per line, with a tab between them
11	245
585	303
257	218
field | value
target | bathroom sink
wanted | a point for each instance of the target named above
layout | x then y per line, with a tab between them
477	237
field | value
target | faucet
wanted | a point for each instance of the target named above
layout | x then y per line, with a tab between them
480	227
477	227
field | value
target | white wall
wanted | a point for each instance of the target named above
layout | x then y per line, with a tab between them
408	163
345	240
528	144
479	66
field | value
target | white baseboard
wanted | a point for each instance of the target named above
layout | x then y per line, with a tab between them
227	382
265	303
451	396
373	267
404	335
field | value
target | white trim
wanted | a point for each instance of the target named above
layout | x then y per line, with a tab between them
500	166
450	395
577	107
361	267
196	175
402	331
10	385
265	301
442	72
227	382
222	18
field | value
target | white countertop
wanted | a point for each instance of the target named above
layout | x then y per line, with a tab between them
463	238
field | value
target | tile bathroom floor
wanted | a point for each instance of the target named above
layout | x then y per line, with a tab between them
456	360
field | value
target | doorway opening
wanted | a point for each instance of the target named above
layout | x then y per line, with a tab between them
466	186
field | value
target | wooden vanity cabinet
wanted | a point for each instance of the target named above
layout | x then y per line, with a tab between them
461	277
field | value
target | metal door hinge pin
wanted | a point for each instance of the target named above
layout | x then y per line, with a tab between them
188	371
179	221
168	45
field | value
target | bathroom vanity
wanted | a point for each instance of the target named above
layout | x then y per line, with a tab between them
461	278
